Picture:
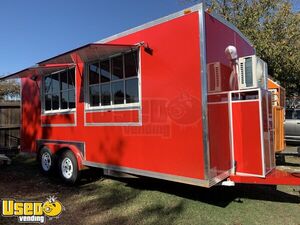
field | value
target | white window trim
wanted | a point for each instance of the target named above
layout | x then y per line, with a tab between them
113	107
59	111
42	96
116	106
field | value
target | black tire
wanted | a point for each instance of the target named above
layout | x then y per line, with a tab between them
68	167
46	161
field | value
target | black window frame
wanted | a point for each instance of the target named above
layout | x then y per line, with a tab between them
112	81
71	88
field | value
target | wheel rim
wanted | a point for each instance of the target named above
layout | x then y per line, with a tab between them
67	168
46	161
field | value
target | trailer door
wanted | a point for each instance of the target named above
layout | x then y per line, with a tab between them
251	133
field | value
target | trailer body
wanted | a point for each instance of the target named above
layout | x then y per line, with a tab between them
188	125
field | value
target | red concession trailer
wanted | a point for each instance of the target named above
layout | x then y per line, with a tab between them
182	98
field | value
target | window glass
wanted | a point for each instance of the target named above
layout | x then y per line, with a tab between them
117	90
105	71
117	67
131	64
48	84
60	90
55	101
64	80
105	94
48	98
94	73
298	114
72	99
64	100
131	90
289	114
71	78
119	82
94	95
55	83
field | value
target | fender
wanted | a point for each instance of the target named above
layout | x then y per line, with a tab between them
56	148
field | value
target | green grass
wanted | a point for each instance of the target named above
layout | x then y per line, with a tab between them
149	201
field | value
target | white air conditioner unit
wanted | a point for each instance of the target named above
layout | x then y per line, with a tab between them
253	72
214	77
218	77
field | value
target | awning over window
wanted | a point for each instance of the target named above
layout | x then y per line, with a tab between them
37	71
86	53
90	52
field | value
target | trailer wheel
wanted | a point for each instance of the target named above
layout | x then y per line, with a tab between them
46	161
68	167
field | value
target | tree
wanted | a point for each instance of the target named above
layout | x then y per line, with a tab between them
9	89
273	29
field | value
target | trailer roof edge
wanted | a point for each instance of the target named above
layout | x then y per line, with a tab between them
152	23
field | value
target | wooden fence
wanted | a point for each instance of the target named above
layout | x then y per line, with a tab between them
9	126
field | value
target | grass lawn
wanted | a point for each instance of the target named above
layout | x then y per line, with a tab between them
149	201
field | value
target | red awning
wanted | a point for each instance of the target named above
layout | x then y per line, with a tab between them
86	53
90	52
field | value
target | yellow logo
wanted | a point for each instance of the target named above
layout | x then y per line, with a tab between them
32	211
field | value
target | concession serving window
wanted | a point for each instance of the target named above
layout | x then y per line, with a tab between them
112	77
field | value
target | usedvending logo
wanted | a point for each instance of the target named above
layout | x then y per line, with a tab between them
32	211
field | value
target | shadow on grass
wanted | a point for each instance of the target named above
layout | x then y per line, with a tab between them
118	195
219	196
107	200
156	214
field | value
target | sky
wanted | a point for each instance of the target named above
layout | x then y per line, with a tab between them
34	30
